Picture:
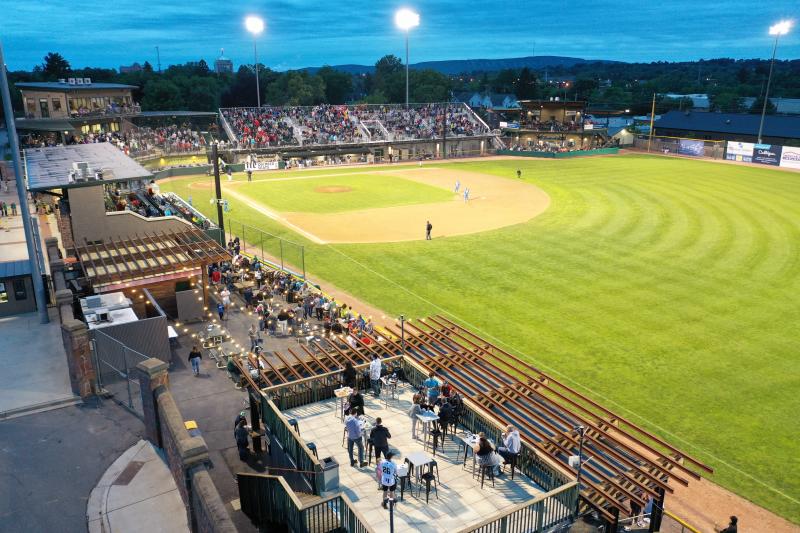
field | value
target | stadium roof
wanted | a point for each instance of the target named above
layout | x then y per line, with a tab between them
49	168
10	269
44	124
733	123
58	86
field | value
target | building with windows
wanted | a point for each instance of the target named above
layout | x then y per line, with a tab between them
551	124
778	129
223	65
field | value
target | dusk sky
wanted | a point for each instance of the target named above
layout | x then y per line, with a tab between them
304	33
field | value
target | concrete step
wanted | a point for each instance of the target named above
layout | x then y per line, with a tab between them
58	403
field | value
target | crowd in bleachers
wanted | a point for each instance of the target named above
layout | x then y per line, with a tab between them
552	125
261	128
340	124
169	139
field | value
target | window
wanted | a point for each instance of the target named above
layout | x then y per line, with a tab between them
44	108
56	104
20	291
3	293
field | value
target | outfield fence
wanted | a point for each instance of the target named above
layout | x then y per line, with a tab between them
680	146
279	252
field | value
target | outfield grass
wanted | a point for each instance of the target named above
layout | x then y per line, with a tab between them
302	192
667	288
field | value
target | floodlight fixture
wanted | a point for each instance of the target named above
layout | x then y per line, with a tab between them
254	25
406	19
781	28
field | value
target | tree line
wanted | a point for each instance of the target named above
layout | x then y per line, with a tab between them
615	86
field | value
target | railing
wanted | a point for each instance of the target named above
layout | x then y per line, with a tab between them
312	389
268	500
528	461
309	469
546	512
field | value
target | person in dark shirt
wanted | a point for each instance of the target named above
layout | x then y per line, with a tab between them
242	439
349	375
732	526
380	439
194	358
356	401
445	414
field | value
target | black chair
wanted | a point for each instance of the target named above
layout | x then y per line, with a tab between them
294	424
487	469
429	478
434	435
512	462
406	480
433	464
370	446
313	447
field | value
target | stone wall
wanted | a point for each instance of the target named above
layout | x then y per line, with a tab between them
74	333
187	456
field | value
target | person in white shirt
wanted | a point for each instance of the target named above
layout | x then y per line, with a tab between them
387	476
511	444
375	375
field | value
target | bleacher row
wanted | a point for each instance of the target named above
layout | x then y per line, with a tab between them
151	202
348	124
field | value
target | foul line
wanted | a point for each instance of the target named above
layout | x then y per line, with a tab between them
567	378
274	216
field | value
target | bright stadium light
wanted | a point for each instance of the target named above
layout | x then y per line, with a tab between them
255	25
781	28
405	20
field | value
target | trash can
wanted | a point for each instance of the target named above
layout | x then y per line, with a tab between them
330	475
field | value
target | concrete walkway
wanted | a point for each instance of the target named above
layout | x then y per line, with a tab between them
136	493
35	375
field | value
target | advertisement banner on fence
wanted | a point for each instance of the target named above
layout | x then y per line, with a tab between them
261	165
767	154
691	148
739	151
790	157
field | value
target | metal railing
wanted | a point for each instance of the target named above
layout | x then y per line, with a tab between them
546	512
114	363
281	253
528	461
309	469
268	500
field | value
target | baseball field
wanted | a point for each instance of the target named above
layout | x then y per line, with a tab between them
663	287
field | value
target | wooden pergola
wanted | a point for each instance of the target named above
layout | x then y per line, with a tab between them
628	463
139	257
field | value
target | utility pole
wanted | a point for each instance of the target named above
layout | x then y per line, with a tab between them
218	188
158	59
22	195
652	120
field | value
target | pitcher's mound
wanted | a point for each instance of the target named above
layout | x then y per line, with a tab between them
333	188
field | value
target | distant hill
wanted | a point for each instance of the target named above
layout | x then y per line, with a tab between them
457	66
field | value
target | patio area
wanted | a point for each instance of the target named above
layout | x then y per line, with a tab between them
461	501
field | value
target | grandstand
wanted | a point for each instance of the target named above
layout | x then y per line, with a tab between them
370	127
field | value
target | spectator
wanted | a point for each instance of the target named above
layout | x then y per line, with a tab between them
242	439
380	439
375	375
194	359
511	444
355	436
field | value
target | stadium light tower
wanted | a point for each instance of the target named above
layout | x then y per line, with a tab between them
781	28
255	25
405	20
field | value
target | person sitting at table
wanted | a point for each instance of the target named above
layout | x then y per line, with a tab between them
413	412
446	389
432	385
485	454
356	401
380	439
349	375
511	444
419	396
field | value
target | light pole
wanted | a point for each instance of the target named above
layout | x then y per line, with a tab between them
255	25
405	20
781	28
403	334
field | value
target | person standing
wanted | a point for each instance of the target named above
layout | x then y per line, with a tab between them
519	173
458	186
355	436
375	375
194	359
349	375
380	439
249	175
428	228
733	526
432	385
387	477
252	333
466	194
13	209
242	439
413	412
220	311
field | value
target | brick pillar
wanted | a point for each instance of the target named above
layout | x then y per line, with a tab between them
82	375
152	374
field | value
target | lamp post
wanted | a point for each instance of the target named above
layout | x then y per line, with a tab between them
403	334
255	25
781	28
405	20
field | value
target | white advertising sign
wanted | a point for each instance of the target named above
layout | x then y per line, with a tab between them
790	157
740	151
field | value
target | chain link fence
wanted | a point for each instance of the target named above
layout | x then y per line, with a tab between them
114	363
280	252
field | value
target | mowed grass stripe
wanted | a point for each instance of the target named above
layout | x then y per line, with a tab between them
661	284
